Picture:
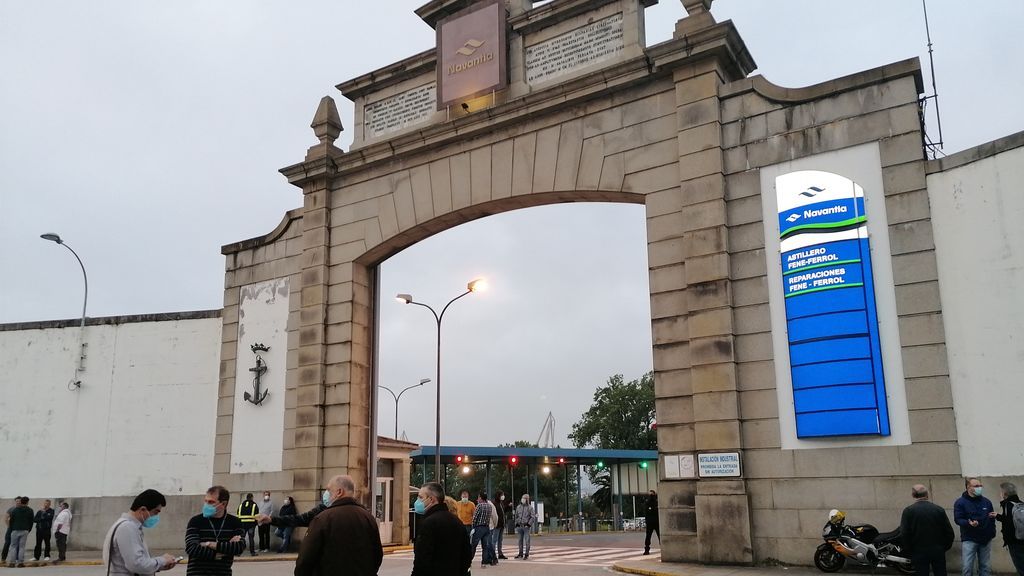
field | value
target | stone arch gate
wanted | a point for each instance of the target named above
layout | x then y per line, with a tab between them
676	126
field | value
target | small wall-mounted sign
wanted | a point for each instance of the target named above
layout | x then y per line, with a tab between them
719	465
678	466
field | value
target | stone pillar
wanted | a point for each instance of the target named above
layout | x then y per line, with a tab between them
305	452
695	372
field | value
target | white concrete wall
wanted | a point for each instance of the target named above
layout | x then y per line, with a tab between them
978	222
257	438
143	418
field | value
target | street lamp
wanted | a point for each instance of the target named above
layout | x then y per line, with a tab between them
399	397
475	286
75	383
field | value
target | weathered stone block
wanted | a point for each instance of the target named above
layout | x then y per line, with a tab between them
705	241
697	113
697	88
937	425
705	295
756	375
902	149
650	156
931	392
697	139
570	145
667	278
761	433
672	383
670	330
925	459
723	435
707	268
914	267
902	178
702	189
711	350
918	298
752	319
723	528
735	160
748	264
678	410
676	438
754	347
742	185
613	172
663	202
657	179
715	406
665	227
744	211
669	304
768	464
704	215
921	361
907	207
672	357
700	164
714	377
758	404
713	322
750	291
922	329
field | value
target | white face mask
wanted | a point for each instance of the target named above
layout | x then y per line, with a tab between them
523	500
266	498
502	497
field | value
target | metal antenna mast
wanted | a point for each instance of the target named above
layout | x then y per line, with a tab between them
935	147
547	433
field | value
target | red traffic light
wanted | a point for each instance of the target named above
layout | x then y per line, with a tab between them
513	460
561	460
458	459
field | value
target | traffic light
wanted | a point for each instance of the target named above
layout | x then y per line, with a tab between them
561	460
458	459
600	464
643	465
513	460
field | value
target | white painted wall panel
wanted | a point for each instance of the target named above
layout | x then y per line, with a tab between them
257	440
144	417
978	219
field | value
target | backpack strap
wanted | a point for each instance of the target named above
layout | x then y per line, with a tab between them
110	545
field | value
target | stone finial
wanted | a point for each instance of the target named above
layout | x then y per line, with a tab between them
326	122
694	7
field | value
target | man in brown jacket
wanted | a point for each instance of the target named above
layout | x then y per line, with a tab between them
343	539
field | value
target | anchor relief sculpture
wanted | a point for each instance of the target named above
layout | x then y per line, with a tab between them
258	395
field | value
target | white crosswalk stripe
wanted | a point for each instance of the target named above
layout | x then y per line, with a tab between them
575	555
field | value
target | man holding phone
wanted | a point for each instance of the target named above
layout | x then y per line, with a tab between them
124	550
213	538
977	520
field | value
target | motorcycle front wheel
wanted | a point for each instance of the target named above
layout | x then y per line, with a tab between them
905	568
827	559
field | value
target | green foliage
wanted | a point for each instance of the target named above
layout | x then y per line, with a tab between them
620	417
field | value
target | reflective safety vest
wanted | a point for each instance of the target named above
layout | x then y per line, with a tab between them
247	512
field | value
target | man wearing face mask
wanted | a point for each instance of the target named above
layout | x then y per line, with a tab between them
343	539
466	510
525	517
124	550
266	509
976	517
498	534
441	547
214	537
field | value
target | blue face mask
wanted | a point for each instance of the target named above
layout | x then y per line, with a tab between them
978	491
209	510
326	498
420	507
151	522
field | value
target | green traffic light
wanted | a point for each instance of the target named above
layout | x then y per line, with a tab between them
643	464
600	464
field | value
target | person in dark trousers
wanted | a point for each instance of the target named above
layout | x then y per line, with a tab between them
61	530
266	509
1013	545
481	533
284	532
498	534
343	539
247	512
926	533
295	520
213	537
441	547
977	520
20	521
7	534
44	524
651	520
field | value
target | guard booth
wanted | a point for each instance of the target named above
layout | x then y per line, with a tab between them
390	500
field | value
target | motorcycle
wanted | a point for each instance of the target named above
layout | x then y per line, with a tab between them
862	544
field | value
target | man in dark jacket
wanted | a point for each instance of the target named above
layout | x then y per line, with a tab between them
926	533
343	539
441	548
651	520
247	512
44	525
977	520
498	535
1013	545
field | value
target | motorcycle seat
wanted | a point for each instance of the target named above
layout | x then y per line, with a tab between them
888	537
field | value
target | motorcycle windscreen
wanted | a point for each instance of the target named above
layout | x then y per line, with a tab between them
831	319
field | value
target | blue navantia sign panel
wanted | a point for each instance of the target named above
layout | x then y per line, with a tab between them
832	325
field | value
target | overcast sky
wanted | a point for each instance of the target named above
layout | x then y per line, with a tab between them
148	134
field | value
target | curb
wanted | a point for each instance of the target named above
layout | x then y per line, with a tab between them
278	558
640	571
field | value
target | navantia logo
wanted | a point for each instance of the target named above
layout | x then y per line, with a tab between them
812	191
470	47
793	217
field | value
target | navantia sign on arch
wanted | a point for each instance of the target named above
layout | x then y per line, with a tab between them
831	319
472	53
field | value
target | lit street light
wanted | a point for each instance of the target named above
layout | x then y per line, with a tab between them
475	286
399	397
79	366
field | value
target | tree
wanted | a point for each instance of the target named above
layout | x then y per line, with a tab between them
620	417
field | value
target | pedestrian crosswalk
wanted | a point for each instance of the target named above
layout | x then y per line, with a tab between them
570	555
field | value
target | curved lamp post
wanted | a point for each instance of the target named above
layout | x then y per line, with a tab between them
75	383
474	286
399	397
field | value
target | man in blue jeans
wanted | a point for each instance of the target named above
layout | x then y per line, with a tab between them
977	520
481	533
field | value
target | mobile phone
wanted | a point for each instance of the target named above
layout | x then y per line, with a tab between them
178	559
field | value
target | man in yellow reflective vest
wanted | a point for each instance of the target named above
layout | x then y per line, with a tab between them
247	512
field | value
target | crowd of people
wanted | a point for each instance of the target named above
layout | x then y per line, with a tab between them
48	524
926	533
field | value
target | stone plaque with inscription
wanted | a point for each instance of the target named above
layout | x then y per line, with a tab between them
584	46
399	111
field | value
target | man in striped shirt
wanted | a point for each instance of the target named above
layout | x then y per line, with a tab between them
214	537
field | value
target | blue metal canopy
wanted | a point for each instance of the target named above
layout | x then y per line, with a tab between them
578	456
